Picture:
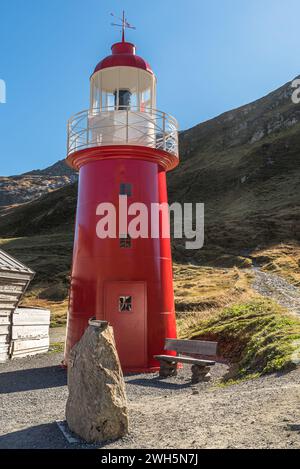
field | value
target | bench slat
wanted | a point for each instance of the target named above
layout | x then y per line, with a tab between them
199	347
189	360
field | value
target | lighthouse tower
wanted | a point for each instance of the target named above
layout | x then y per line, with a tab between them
122	147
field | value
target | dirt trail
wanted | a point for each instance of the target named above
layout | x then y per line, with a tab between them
277	288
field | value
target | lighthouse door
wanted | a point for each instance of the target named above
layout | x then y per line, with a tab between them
125	310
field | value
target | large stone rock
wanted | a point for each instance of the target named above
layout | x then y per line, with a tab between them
96	409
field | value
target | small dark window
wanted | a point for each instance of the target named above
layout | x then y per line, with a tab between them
124	99
125	241
125	303
125	189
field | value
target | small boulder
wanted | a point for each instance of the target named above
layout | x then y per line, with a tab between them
96	409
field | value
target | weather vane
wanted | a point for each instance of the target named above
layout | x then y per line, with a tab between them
124	24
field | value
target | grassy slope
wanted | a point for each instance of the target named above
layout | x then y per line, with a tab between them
257	337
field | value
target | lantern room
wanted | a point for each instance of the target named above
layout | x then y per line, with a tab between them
123	108
123	81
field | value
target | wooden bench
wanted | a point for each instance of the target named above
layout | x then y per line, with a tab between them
189	348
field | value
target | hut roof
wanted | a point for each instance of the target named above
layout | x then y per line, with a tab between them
10	264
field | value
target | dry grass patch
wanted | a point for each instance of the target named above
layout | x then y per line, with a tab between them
201	292
199	288
58	308
282	259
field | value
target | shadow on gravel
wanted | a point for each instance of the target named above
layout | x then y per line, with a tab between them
47	436
157	383
34	378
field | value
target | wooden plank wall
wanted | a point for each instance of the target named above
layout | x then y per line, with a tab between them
12	287
30	332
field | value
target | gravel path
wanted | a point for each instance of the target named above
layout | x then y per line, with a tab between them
275	287
262	413
57	334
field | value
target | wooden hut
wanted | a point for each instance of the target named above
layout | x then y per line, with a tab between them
14	279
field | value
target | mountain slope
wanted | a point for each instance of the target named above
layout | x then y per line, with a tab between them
60	168
32	185
245	166
50	213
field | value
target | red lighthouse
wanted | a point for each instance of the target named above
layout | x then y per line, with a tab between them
122	146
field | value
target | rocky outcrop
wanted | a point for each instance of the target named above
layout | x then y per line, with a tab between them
96	409
22	189
34	184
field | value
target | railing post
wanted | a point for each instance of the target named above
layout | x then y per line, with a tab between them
87	130
164	131
127	125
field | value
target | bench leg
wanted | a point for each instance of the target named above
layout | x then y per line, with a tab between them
200	374
167	369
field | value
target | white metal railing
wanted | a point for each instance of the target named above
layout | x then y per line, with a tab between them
126	126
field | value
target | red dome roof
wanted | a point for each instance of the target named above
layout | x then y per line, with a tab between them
123	54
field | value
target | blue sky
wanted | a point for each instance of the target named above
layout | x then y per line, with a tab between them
209	56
